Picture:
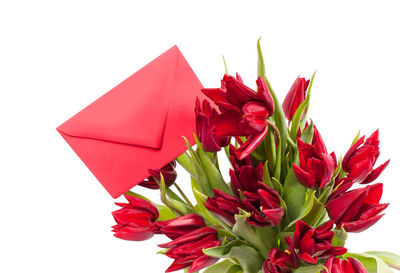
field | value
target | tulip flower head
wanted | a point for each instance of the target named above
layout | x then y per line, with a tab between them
358	209
360	160
314	244
295	96
242	112
187	250
316	165
179	226
225	206
168	172
278	261
135	219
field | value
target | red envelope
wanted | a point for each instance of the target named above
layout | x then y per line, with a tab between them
137	125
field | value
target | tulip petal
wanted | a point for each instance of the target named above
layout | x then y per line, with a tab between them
134	234
264	95
217	95
361	225
357	265
252	143
305	178
202	262
375	173
350	152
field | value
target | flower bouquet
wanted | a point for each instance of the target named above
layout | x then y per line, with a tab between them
289	205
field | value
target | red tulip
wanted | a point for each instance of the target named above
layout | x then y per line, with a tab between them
243	112
360	160
358	209
295	96
206	119
224	205
278	261
135	219
313	244
264	206
168	172
233	91
244	177
179	226
316	165
349	265
187	250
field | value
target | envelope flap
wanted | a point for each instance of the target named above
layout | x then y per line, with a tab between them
134	112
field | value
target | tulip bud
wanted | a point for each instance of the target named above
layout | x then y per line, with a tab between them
295	96
168	172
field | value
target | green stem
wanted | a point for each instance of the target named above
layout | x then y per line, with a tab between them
277	172
184	195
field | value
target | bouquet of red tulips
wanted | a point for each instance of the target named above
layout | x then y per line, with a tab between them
289	204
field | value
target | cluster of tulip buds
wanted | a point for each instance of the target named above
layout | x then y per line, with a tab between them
289	204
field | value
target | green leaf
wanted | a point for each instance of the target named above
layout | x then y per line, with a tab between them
214	177
263	239
171	194
186	270
308	98
226	67
356	138
225	266
340	237
391	259
310	269
200	176
249	259
186	162
266	176
294	195
279	116
323	197
324	217
337	170
199	207
308	133
315	213
165	213
372	263
306	209
277	186
175	205
297	118
131	193
260	63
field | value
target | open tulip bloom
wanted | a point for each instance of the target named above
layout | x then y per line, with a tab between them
290	203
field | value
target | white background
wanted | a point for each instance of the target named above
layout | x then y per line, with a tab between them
56	57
